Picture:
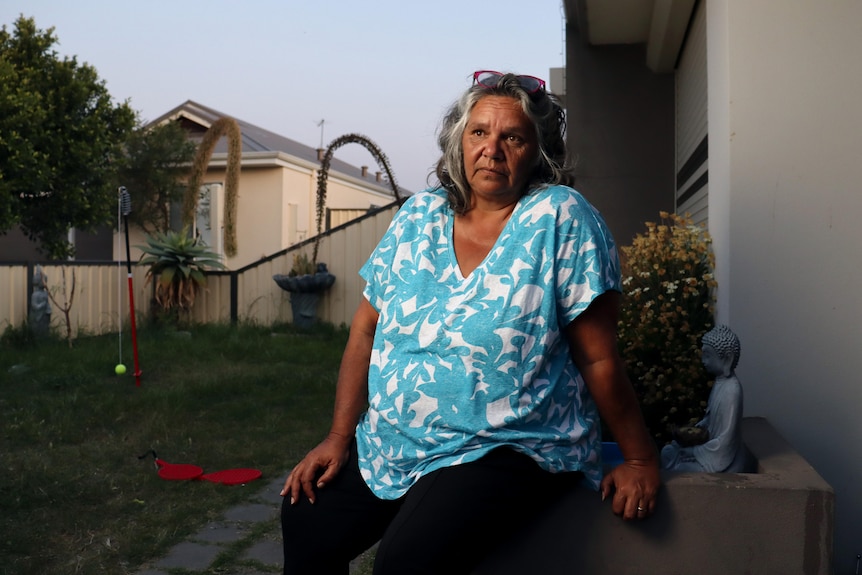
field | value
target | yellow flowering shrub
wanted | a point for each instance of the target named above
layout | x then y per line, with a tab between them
667	306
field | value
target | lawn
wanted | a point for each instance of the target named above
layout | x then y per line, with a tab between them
74	495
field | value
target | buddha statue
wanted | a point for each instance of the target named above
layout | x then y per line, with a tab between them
40	306
714	444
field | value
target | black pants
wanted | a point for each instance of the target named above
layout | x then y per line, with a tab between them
447	523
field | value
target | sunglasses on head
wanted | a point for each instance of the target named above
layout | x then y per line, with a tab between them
490	79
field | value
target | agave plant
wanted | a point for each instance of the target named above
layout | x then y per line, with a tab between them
177	263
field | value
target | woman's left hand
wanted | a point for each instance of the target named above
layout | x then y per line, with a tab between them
634	485
592	340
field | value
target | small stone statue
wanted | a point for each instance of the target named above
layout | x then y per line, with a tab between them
714	444
40	305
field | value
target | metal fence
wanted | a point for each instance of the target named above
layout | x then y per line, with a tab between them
100	300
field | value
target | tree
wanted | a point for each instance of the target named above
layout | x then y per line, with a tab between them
156	162
60	139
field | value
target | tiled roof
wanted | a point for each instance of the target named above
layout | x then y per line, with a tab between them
257	139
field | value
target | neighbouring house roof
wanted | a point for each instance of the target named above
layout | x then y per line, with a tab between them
197	118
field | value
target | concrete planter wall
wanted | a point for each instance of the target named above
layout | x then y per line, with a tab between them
778	520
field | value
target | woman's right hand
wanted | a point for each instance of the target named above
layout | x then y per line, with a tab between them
317	468
324	462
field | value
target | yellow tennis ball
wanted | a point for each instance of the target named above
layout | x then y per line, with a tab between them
120	369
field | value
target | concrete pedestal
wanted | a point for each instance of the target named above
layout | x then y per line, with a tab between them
777	520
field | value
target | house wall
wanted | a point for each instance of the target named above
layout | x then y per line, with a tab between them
620	119
785	145
341	194
276	208
15	246
259	210
269	198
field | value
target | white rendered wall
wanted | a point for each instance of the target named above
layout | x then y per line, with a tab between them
785	97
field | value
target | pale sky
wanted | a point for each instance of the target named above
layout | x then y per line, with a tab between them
386	69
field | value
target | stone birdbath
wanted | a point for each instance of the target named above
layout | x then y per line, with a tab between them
305	293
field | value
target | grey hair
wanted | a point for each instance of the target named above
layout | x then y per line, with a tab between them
724	342
544	111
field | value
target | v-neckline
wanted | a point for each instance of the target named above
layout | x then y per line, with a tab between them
450	232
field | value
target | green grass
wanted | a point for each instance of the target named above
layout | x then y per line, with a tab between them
75	497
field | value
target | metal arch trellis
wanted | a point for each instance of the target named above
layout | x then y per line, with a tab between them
379	157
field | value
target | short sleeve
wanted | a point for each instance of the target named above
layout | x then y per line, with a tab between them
404	241
587	262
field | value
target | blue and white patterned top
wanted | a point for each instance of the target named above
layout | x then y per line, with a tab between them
460	365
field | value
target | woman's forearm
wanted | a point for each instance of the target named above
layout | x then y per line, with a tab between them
351	394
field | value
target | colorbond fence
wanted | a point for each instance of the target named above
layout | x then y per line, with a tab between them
101	295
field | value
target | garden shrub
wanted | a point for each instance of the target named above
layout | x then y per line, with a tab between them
667	306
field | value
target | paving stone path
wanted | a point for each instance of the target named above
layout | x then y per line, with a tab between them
251	527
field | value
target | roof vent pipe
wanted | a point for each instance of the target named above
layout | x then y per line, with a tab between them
364	171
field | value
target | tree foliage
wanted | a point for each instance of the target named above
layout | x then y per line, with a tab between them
60	138
156	162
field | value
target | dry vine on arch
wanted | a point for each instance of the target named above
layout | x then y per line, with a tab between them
379	157
221	127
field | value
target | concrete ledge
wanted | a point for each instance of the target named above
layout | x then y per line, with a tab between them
778	520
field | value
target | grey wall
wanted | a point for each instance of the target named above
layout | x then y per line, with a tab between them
15	246
620	133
